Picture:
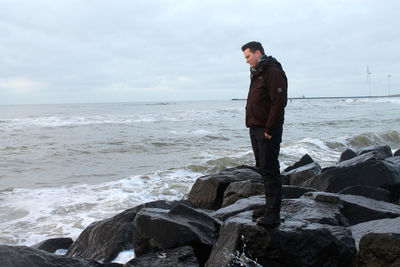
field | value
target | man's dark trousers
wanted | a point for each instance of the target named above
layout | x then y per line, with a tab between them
266	153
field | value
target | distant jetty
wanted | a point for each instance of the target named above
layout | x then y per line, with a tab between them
331	97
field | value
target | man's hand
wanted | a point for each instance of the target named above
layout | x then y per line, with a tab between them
268	136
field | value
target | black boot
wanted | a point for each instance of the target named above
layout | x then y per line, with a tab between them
257	213
269	219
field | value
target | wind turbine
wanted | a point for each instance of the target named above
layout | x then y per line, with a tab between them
369	81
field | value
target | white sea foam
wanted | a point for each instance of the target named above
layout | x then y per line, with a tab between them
124	256
57	121
392	100
65	211
54	121
316	148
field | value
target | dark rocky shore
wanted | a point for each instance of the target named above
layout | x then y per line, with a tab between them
344	215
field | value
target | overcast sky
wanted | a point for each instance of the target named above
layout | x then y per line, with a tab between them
67	51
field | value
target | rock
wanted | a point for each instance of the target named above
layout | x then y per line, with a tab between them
104	240
394	160
245	189
346	155
293	243
367	169
385	151
358	209
158	229
208	191
397	153
177	257
379	250
304	173
291	191
20	256
305	160
239	206
366	191
305	209
51	245
383	226
394	188
242	189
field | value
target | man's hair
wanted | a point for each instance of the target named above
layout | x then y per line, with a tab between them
254	46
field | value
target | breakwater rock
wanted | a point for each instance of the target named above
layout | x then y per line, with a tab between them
344	215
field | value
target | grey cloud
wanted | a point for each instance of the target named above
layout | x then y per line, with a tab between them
116	50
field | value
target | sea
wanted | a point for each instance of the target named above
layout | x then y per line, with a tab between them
65	166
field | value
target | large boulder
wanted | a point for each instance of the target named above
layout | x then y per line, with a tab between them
104	240
368	169
245	189
307	209
177	257
299	175
385	151
394	189
208	191
382	226
346	155
158	229
291	191
304	209
367	191
242	189
357	209
293	243
305	160
239	206
379	250
21	256
53	244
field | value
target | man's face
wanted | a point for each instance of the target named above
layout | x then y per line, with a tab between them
252	58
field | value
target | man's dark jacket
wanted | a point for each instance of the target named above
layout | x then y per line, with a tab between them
267	95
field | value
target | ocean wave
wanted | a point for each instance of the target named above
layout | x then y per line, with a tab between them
322	151
160	104
391	138
392	100
67	210
53	121
327	151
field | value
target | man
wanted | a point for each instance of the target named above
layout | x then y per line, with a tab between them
265	110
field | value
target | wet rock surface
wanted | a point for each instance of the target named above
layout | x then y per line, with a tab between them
20	256
383	226
157	229
293	243
54	244
346	155
104	240
208	191
299	175
242	189
369	192
368	169
177	257
304	160
385	151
